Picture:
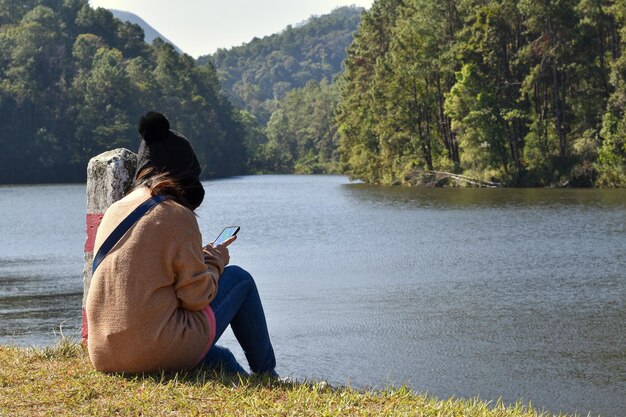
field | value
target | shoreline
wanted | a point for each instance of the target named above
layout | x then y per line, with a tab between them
413	179
60	380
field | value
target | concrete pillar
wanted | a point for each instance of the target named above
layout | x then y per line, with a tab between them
109	175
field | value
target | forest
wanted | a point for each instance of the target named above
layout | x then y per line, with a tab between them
510	92
284	84
259	73
74	81
516	92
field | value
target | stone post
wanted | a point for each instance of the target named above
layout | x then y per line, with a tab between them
109	175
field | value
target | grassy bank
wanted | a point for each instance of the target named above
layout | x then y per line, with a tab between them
60	381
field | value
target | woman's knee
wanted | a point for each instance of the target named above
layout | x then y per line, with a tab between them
238	274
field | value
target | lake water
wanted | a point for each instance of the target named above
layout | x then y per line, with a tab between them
512	294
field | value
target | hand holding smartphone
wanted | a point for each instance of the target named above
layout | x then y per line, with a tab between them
226	234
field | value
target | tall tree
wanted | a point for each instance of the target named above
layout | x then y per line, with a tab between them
612	153
359	144
551	25
487	111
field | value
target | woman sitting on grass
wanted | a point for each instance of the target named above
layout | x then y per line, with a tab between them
160	300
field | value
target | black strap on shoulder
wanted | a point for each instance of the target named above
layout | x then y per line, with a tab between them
123	227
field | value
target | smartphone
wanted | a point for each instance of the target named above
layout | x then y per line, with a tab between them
226	233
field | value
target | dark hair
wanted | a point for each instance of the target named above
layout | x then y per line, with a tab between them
161	183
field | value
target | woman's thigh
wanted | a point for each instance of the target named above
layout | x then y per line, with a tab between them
233	289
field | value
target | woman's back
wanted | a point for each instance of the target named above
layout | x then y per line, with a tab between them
146	302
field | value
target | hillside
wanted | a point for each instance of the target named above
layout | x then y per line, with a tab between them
74	81
263	70
149	32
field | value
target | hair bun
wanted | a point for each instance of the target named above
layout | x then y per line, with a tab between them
153	126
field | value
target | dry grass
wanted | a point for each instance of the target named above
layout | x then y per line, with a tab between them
59	381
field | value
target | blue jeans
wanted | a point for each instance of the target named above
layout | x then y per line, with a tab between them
237	303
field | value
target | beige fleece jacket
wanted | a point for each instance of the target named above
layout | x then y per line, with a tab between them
147	302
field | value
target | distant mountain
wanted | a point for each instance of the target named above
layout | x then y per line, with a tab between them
150	33
264	70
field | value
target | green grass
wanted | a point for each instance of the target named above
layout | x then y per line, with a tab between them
60	381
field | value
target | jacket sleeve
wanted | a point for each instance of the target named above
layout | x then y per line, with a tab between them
213	262
196	282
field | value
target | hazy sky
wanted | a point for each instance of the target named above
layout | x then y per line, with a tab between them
199	27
